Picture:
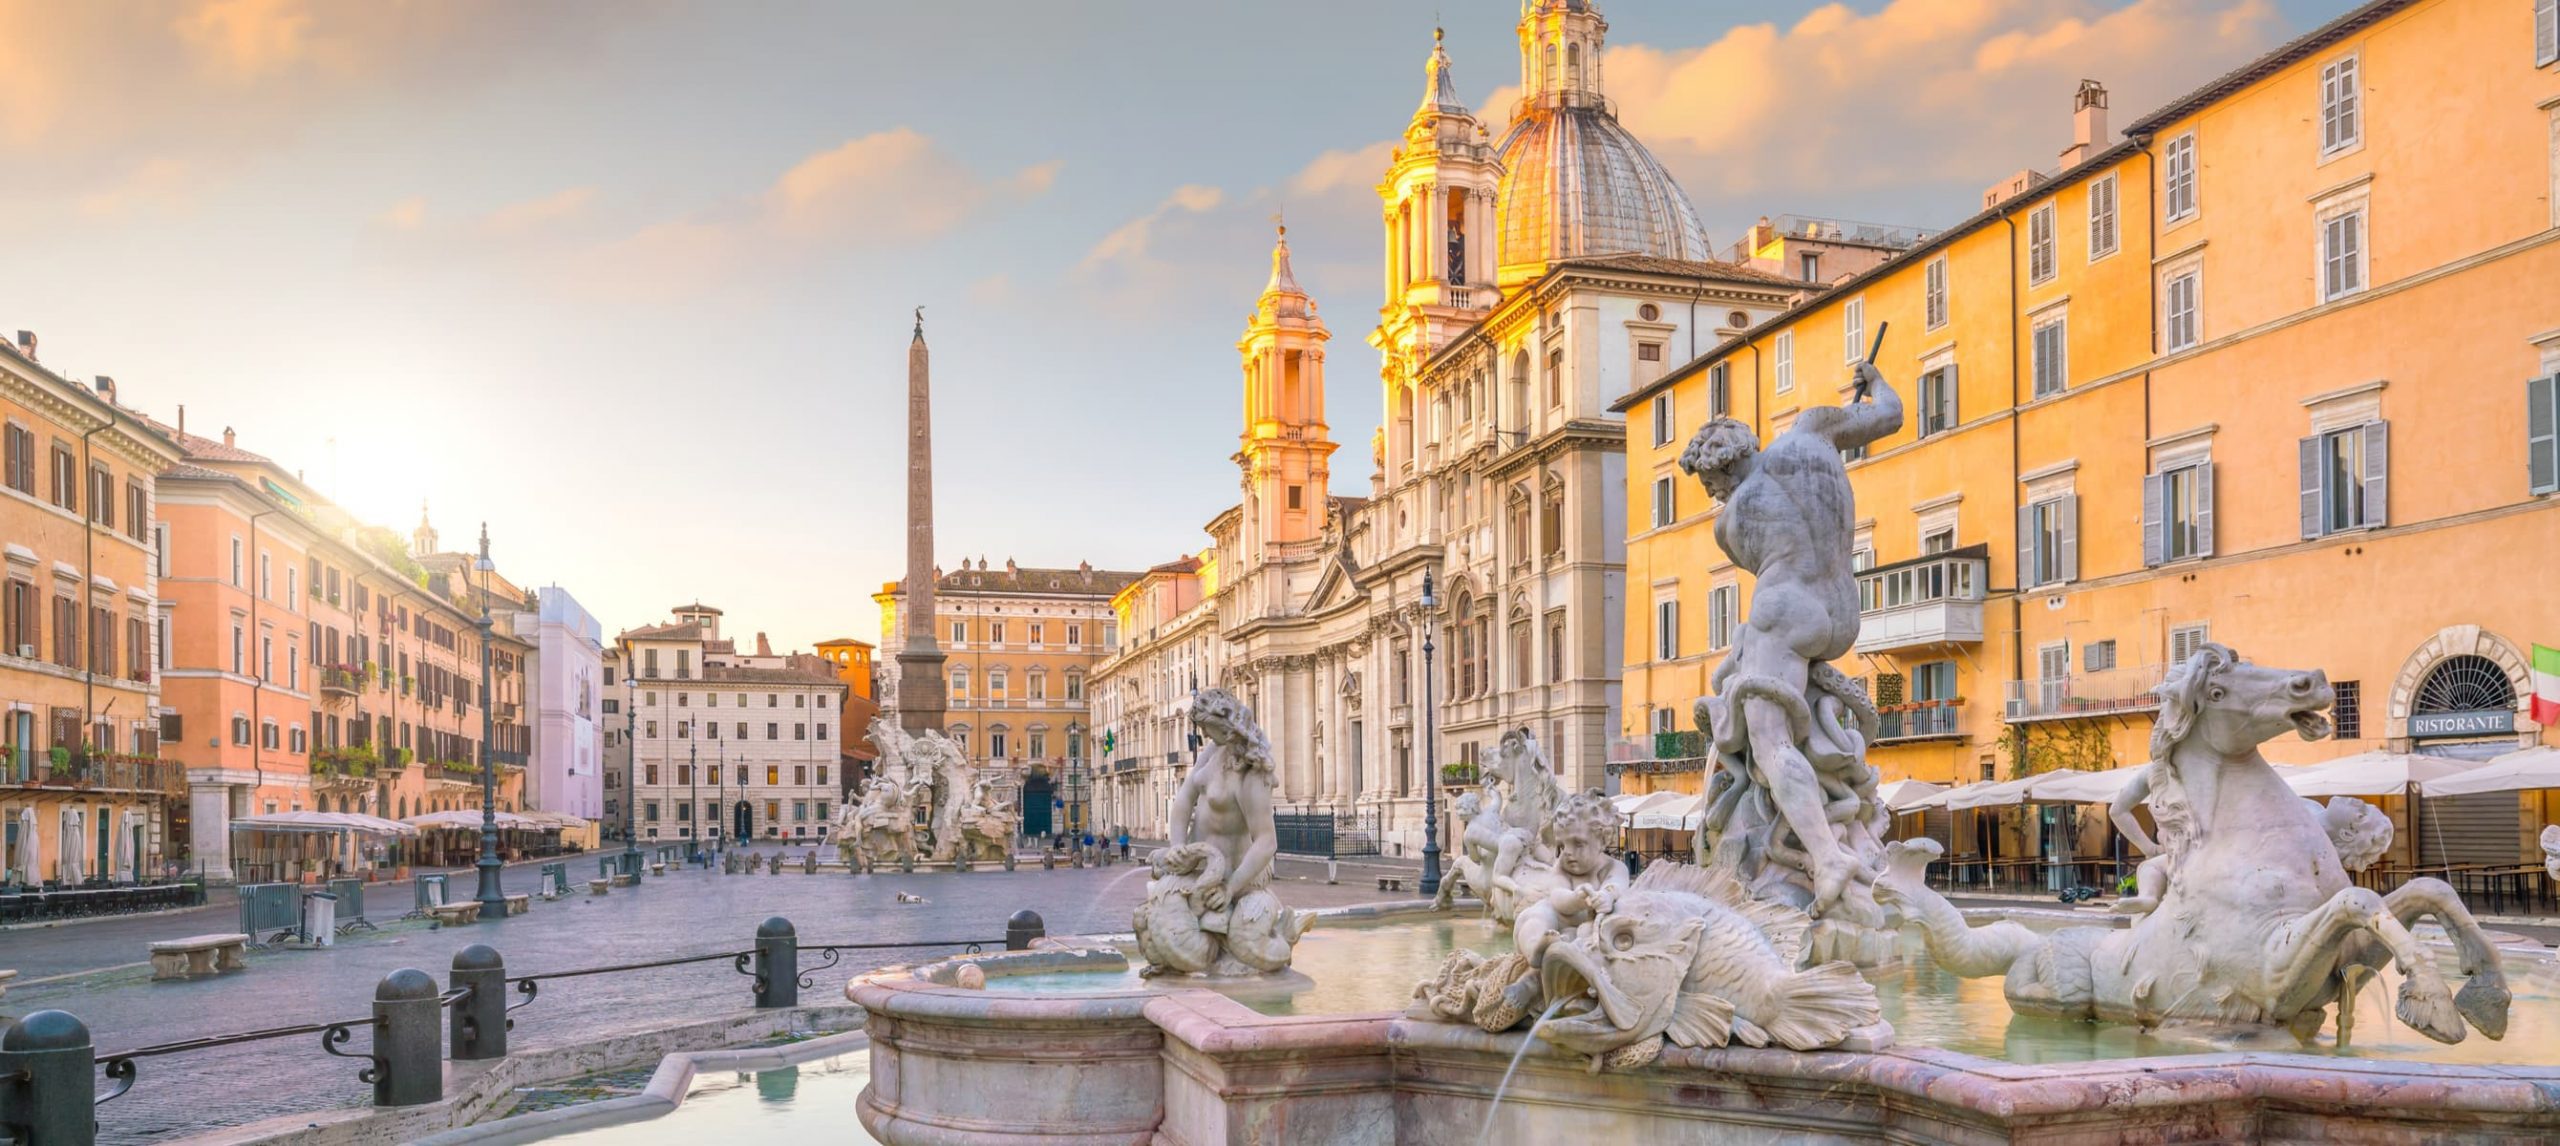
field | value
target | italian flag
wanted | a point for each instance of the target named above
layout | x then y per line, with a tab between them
2546	685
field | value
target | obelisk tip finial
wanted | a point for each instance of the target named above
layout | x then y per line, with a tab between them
919	323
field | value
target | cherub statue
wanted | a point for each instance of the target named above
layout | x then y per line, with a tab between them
1528	817
1217	871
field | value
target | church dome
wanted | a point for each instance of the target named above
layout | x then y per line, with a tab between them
1575	182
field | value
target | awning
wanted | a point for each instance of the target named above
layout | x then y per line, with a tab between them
322	823
1987	794
2074	787
2514	772
2375	774
1905	795
1681	814
468	819
1635	802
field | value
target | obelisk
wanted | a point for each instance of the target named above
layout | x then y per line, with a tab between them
920	690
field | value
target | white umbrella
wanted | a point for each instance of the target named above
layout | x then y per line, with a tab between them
2074	787
1905	795
70	871
1989	794
2514	772
29	856
1635	802
2374	774
322	823
467	819
1682	814
124	844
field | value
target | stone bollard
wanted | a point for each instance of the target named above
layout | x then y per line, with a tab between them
407	1042
1048	861
479	1023
777	964
48	1086
1024	927
1332	871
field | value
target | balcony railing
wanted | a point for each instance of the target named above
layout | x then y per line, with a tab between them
1927	720
94	772
2104	693
340	681
1933	600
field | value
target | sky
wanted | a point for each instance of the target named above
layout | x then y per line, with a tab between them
631	280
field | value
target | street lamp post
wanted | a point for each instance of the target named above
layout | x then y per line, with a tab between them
630	770
493	896
1430	755
693	776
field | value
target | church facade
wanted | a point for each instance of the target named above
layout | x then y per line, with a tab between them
1531	281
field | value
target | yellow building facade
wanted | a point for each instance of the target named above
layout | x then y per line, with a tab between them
2275	370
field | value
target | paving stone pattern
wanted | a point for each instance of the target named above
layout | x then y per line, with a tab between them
684	913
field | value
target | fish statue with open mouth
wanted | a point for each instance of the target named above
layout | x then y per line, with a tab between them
1684	955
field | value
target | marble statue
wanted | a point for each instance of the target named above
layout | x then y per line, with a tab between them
982	826
1209	908
2551	849
1481	839
1528	814
1683	955
973	823
2256	921
1791	811
881	826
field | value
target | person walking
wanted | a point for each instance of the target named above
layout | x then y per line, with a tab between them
1124	843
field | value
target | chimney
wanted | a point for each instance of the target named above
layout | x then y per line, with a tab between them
229	439
182	419
2088	124
27	344
107	389
764	648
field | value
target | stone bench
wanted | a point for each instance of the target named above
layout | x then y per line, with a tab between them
198	955
1391	883
598	886
519	903
457	913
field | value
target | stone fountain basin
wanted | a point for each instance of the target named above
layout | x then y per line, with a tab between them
1183	1066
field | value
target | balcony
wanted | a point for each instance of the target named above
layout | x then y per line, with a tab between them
94	772
1925	602
1662	753
1926	720
340	681
2112	692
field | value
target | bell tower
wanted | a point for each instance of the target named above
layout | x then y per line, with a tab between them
1560	43
1439	220
1284	450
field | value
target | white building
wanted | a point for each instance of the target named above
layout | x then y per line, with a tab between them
1530	282
566	772
729	747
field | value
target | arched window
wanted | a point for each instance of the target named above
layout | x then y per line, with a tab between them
1519	394
1523	663
1462	661
1547	72
2467	683
1573	65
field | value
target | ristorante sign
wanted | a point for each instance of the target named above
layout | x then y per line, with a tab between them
2477	722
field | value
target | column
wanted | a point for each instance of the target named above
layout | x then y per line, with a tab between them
1436	234
209	815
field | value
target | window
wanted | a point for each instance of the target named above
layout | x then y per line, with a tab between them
1297	498
1934	293
235	562
2546	33
1853	331
2346	714
66	478
1666	629
2181	325
960	684
2040	260
1720	390
995	632
2344	475
2541	434
1934	681
1938	401
995	743
2053	673
1664	512
18	464
1555	377
2102	216
1555	649
1809	264
1075	635
2049	540
1663	427
2098	656
1724	605
2342	263
959	632
1785	357
102	495
2178	176
2052	356
18	613
2341	118
772	730
2184	641
2177	514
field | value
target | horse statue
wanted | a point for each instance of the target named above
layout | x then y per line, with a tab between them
2258	923
1528	814
1481	840
982	826
881	826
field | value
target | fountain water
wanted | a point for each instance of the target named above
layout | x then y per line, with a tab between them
1484	1133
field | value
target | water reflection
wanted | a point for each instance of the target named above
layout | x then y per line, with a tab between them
1357	969
777	1085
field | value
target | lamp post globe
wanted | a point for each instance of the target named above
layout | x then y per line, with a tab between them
492	895
1430	885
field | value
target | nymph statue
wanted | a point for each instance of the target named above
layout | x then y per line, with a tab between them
1210	910
1528	819
1792	812
881	827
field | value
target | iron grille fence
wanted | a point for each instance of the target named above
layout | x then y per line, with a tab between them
1326	833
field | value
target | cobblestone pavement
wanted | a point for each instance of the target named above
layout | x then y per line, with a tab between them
683	913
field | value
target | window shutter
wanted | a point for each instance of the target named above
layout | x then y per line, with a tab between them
2542	427
2311	494
2070	565
2155	541
2026	546
1947	399
2204	510
2377	474
2546	32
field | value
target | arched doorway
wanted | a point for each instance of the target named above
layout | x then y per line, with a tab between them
1037	792
743	822
2464	707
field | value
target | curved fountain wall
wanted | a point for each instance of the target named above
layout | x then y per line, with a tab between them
953	1065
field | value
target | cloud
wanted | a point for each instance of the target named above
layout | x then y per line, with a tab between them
890	184
1129	245
407	215
1915	94
154	185
243	40
1346	168
538	214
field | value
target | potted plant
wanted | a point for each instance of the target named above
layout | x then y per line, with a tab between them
57	760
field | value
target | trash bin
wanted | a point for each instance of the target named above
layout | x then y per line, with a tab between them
319	918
